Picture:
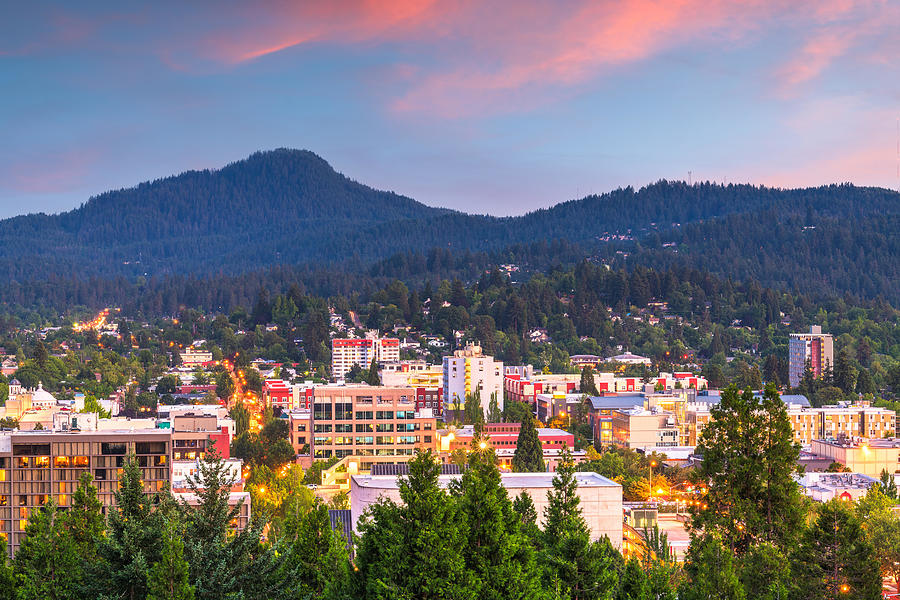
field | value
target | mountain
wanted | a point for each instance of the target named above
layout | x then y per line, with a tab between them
290	207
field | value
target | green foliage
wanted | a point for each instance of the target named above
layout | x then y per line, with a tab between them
133	539
92	405
47	564
834	553
241	417
168	577
414	550
372	374
588	386
710	571
749	460
634	584
224	385
498	555
529	455
575	567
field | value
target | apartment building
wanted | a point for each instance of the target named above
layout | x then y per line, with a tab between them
504	438
192	357
808	423
815	347
39	466
366	421
468	370
642	428
277	394
868	457
361	351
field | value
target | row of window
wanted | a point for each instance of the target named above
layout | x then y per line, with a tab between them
368	440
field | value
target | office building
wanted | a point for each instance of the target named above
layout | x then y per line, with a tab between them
365	421
361	351
868	457
815	348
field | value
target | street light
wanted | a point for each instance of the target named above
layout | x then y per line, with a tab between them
652	464
482	445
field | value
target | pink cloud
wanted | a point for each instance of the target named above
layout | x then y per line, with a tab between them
50	173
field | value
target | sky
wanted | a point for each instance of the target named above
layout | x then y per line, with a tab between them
496	107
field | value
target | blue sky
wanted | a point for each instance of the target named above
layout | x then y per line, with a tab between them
498	107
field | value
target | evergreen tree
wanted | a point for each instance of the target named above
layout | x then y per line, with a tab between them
529	455
7	580
168	577
633	585
220	560
844	373
498	555
47	564
834	560
524	508
765	573
318	555
133	540
372	374
864	383
588	386
749	460
576	568
711	573
84	519
414	550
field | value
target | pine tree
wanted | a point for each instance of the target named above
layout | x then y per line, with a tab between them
7	580
47	564
835	560
168	577
220	561
633	585
498	554
524	508
765	573
133	541
588	386
318	555
529	455
575	567
749	460
372	374
844	373
84	519
414	550
711	573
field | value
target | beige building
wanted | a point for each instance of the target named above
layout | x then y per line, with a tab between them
37	466
600	498
868	457
808	424
642	428
469	370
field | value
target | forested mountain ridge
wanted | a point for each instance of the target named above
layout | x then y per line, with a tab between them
290	207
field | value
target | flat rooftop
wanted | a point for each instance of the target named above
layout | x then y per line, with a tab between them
508	480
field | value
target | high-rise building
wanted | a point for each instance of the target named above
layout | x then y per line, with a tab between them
469	370
360	351
814	347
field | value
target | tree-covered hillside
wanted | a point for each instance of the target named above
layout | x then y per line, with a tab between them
289	207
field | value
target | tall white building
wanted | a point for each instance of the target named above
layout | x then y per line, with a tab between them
348	352
815	347
469	370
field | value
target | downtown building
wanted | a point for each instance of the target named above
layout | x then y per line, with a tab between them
364	421
470	370
362	351
815	348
